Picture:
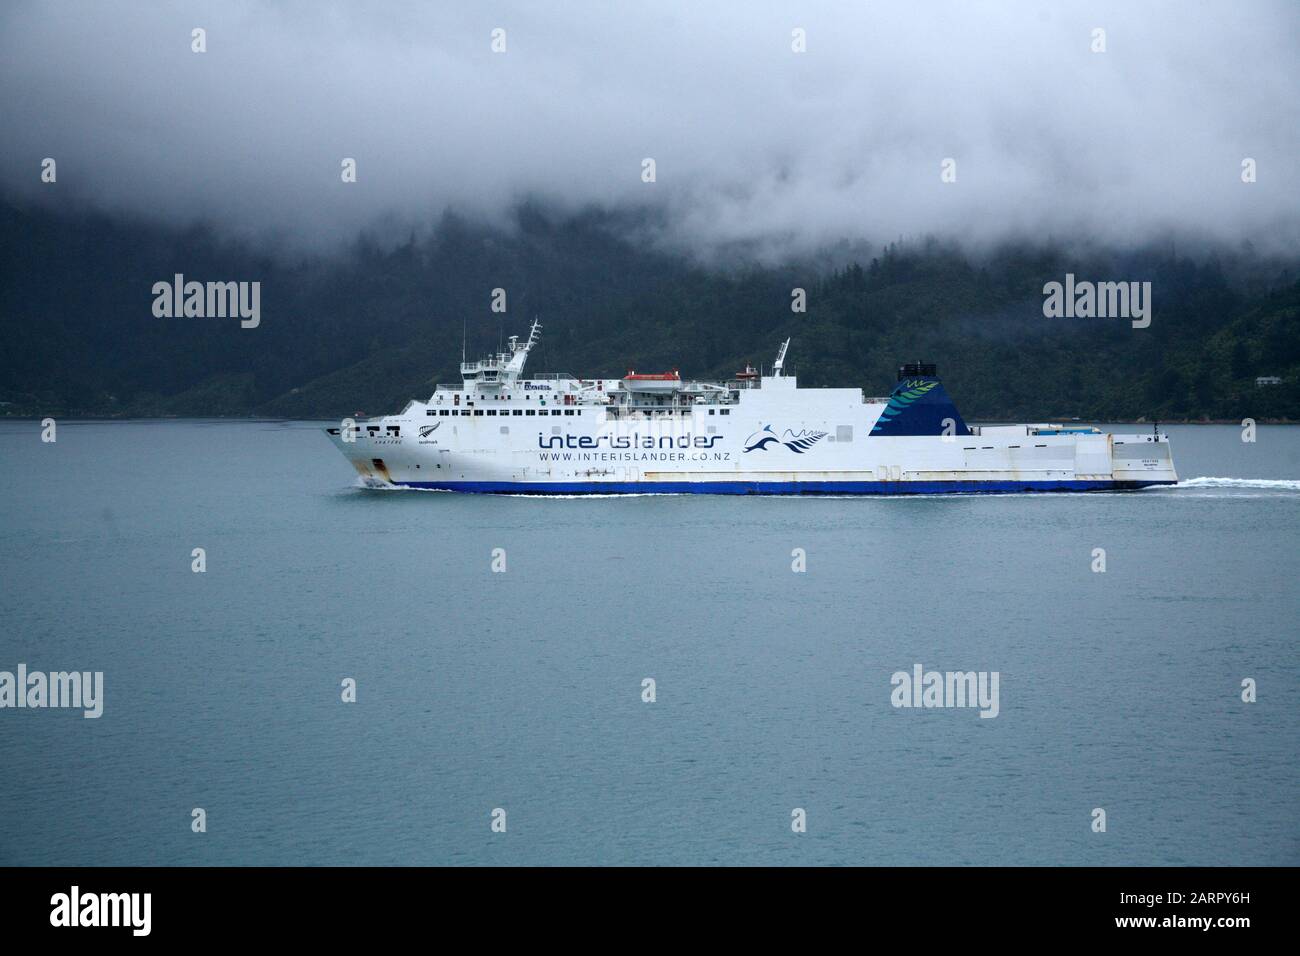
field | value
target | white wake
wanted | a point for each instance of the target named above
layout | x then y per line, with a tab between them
1269	483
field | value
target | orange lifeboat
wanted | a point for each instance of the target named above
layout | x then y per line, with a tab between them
652	382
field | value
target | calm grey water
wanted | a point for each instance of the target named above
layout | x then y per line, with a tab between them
522	690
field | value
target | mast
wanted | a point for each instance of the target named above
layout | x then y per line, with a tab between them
779	367
519	353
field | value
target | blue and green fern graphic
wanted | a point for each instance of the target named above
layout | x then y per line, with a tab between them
903	397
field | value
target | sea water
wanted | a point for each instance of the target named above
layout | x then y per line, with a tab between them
524	689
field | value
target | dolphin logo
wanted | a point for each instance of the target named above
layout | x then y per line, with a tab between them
761	439
797	442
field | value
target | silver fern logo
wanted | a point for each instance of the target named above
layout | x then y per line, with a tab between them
798	442
904	395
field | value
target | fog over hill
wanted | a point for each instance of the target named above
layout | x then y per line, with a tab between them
368	329
921	170
755	144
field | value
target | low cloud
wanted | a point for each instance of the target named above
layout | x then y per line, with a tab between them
753	143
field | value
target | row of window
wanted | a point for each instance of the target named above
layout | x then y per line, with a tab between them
504	411
370	431
616	411
538	411
515	397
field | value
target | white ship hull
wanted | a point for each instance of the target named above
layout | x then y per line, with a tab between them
569	436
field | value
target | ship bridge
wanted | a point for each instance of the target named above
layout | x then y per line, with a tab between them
503	369
499	378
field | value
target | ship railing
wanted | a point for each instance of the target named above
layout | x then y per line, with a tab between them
647	413
483	365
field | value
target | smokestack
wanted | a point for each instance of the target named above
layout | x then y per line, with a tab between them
919	405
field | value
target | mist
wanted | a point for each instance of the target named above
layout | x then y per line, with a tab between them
754	144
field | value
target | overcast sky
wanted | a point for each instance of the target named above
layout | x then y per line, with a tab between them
752	141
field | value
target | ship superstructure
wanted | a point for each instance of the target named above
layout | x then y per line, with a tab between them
755	433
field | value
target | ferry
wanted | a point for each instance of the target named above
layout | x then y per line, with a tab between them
500	432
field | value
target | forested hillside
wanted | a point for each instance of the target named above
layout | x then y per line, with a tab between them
377	325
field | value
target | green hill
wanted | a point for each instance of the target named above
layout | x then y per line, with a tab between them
375	326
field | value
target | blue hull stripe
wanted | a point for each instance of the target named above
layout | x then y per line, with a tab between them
772	487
